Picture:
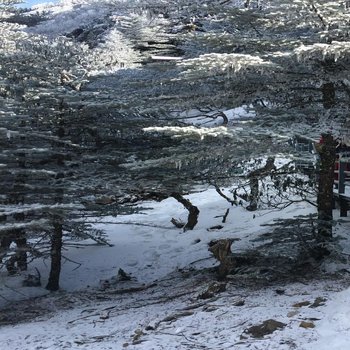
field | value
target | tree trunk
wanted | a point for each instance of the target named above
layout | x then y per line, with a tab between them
57	235
327	153
56	248
21	250
254	182
18	236
328	95
254	193
192	219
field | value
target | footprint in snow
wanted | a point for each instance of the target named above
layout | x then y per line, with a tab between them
132	263
164	246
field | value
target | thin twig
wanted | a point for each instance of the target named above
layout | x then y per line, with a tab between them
223	195
199	260
225	215
129	223
72	261
16	291
178	335
158	301
1	296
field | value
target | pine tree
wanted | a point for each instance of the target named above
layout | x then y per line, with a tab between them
41	174
135	106
287	62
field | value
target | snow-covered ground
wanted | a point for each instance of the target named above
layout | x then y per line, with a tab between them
165	305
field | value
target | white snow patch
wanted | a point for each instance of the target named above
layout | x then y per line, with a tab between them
149	248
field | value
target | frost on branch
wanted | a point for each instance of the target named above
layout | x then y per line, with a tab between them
115	53
12	32
335	51
172	162
191	131
214	64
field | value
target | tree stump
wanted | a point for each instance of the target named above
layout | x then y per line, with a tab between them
221	250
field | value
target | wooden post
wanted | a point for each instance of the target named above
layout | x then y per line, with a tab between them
341	177
343	207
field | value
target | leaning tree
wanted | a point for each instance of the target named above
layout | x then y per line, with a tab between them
287	62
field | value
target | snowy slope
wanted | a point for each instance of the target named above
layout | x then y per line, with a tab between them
149	247
160	308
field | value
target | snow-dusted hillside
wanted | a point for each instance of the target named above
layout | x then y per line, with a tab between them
156	286
168	302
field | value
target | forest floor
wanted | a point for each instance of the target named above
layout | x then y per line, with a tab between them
174	299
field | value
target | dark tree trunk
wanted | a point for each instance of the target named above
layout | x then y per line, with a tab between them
254	193
57	223
328	95
56	251
327	153
254	182
21	251
193	211
18	236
